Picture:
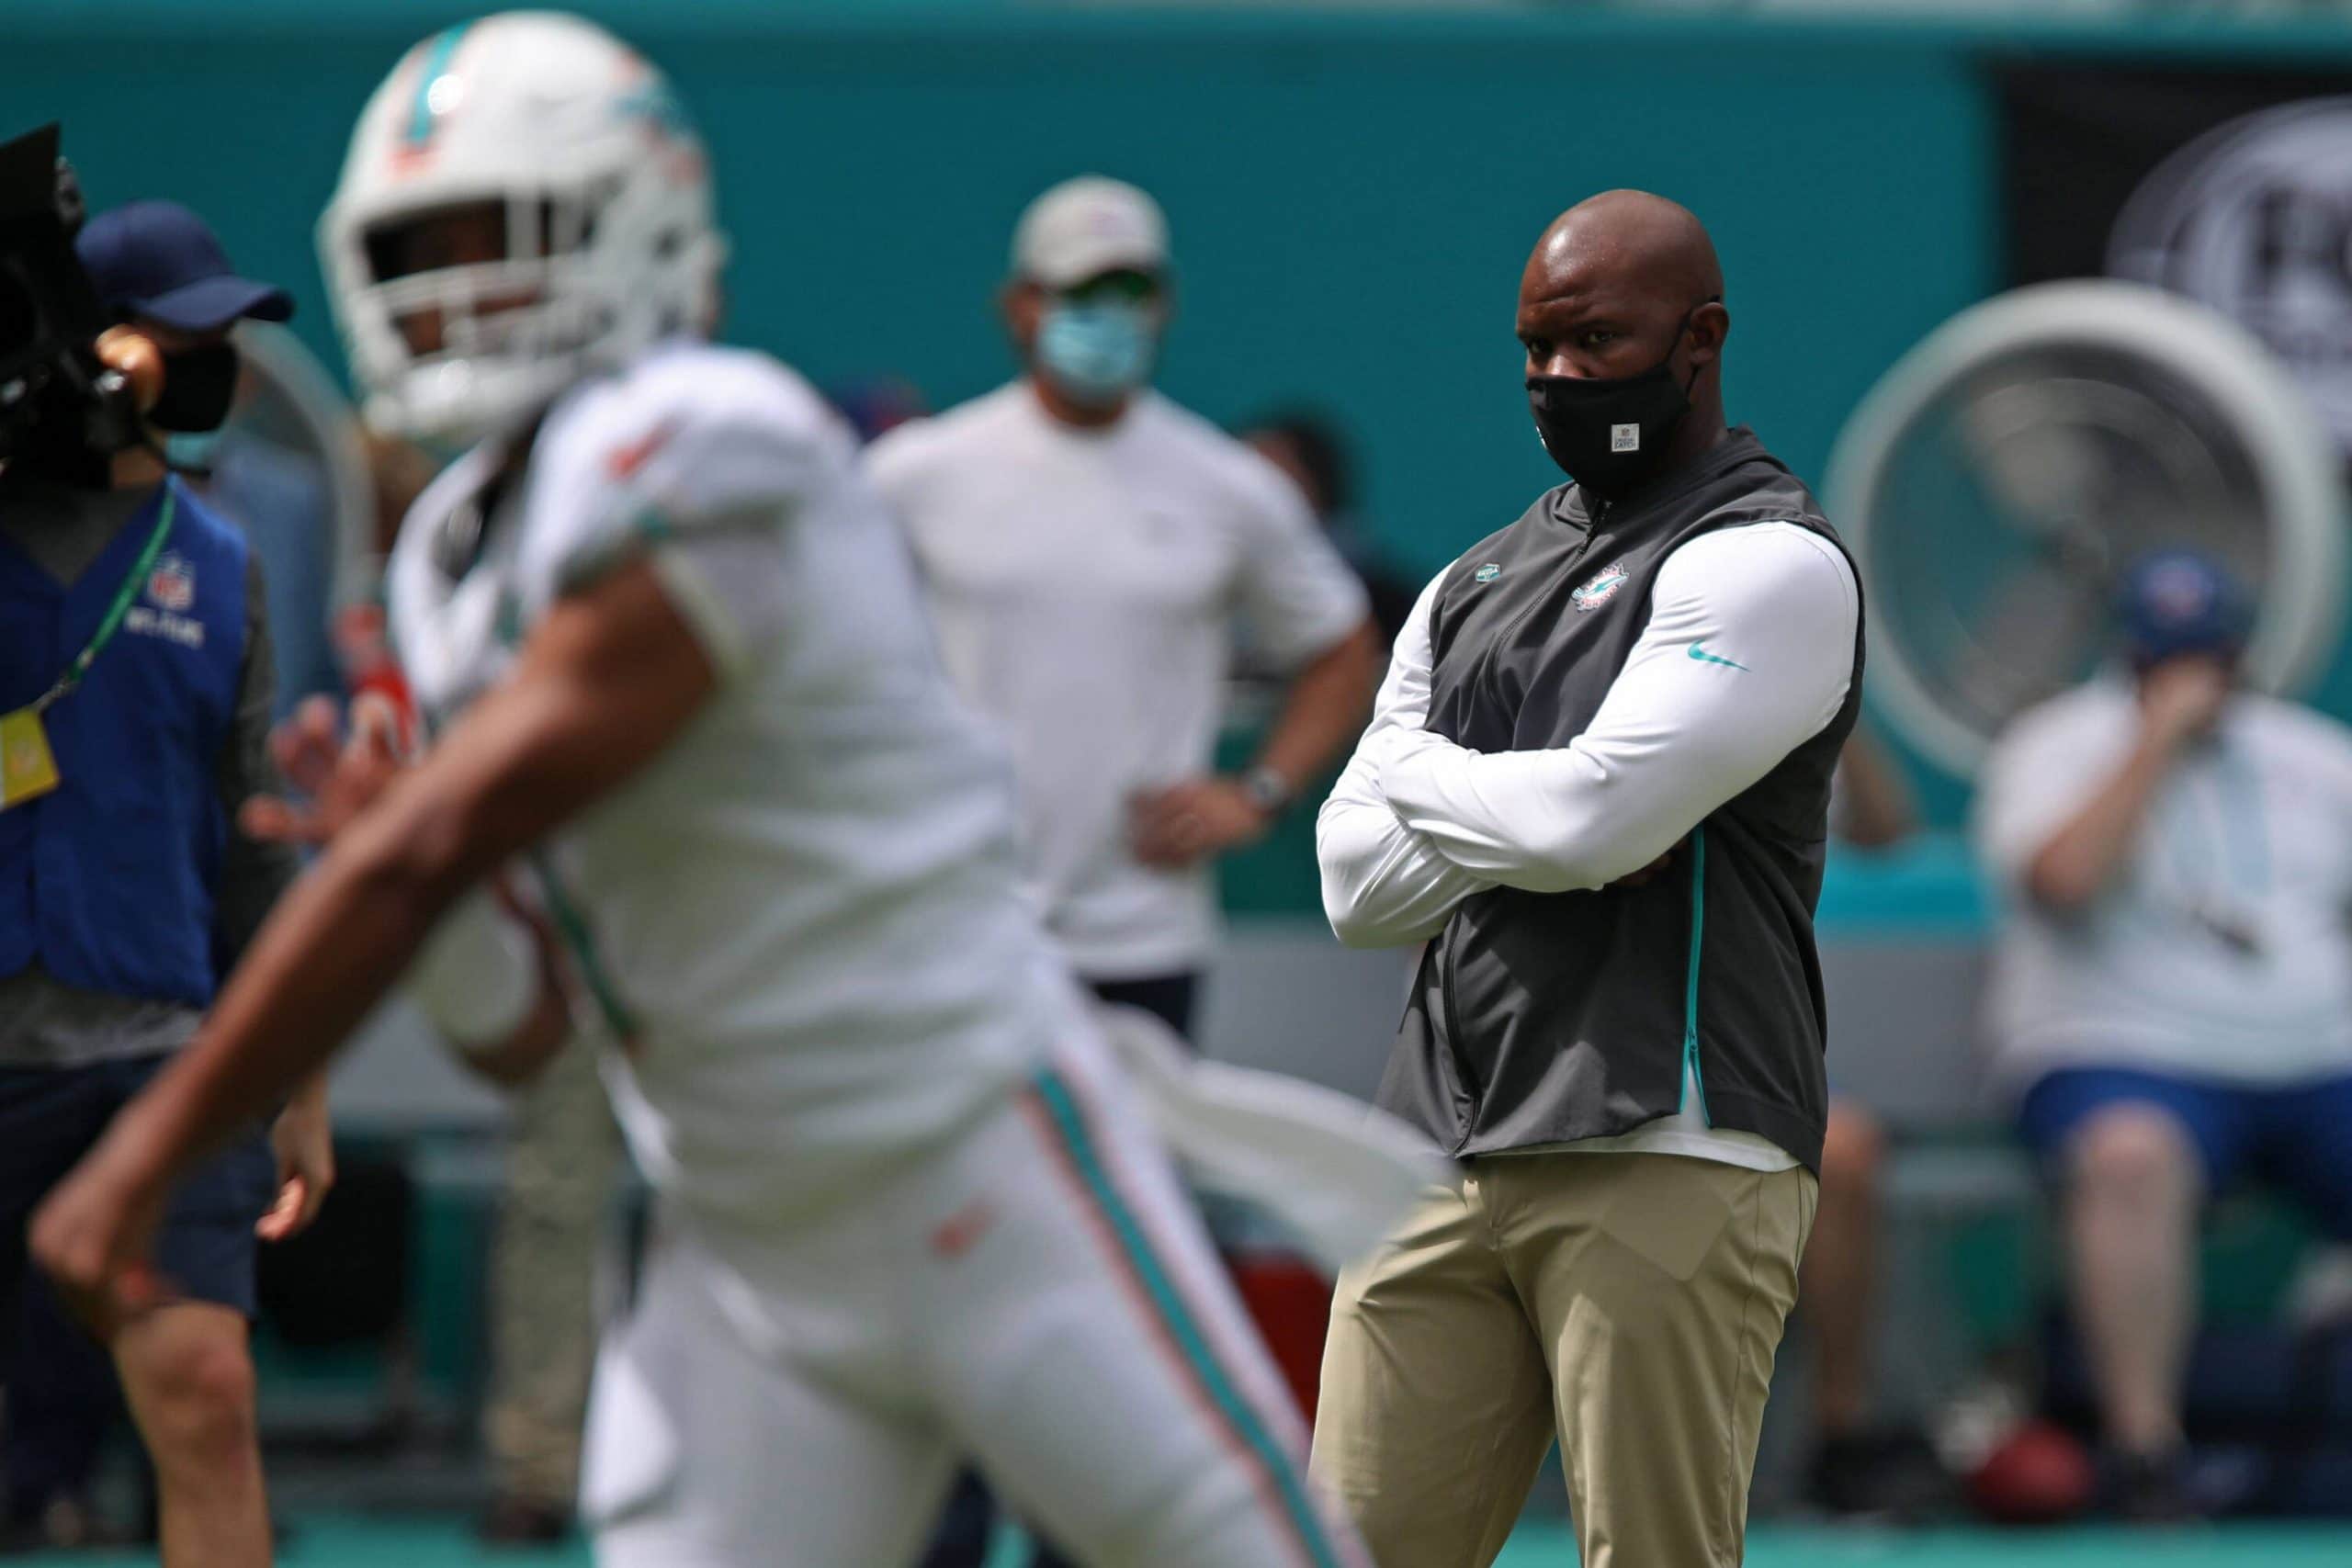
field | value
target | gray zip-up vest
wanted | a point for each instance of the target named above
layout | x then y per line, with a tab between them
1541	1018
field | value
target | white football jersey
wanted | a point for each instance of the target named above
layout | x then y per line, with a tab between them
802	917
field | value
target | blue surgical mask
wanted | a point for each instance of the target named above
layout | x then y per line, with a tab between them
1097	352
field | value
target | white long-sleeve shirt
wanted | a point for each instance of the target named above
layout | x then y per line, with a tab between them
1747	653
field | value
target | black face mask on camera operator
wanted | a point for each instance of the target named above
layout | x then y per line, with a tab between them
199	388
199	384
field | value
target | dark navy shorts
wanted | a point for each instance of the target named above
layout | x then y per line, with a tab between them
1168	998
2297	1139
49	1119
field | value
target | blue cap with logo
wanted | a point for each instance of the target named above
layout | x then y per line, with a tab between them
157	261
2182	602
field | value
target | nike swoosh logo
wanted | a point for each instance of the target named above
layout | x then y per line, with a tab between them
624	463
1699	652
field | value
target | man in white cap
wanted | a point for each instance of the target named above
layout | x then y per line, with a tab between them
1087	546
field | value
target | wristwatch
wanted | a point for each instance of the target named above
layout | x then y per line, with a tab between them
1266	789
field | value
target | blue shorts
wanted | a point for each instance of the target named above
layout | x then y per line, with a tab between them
2297	1139
49	1119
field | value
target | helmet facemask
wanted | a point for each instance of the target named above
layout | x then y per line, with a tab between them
458	337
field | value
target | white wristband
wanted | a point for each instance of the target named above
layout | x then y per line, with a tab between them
476	977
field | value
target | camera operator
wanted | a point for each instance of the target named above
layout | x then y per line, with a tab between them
135	685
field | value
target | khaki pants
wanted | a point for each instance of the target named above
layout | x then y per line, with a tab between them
563	1159
1632	1301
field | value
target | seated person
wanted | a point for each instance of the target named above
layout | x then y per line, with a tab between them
2172	986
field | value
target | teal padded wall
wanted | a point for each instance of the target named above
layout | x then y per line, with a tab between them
1352	196
1353	193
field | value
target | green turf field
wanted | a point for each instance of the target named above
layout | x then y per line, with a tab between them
346	1541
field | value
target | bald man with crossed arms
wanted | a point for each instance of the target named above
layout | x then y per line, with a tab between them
1597	785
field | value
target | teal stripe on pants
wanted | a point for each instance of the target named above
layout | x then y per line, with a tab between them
1068	1123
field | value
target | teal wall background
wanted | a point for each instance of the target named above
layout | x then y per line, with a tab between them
1352	194
1352	197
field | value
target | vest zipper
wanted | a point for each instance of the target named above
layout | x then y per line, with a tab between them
1455	1043
1690	1074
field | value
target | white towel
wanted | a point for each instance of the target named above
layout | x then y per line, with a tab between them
1335	1170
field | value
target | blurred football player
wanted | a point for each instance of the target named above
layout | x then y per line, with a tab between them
674	654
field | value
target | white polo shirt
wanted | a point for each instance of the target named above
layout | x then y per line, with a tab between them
2220	950
1085	584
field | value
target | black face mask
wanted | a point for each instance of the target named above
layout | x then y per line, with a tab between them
1611	436
199	386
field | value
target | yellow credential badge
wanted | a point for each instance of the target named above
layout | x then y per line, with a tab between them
27	767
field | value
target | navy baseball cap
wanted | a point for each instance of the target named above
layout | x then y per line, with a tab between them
2182	602
157	260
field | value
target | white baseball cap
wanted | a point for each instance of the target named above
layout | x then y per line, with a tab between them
1086	227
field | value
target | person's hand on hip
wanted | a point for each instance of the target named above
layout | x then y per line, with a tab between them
1195	821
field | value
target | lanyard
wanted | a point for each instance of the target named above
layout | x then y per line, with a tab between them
116	611
2229	796
2214	902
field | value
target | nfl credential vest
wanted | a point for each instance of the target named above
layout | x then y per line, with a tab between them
1537	1018
108	882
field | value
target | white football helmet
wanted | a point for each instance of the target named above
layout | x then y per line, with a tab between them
547	127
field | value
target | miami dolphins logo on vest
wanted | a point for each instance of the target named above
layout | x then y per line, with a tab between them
1604	586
